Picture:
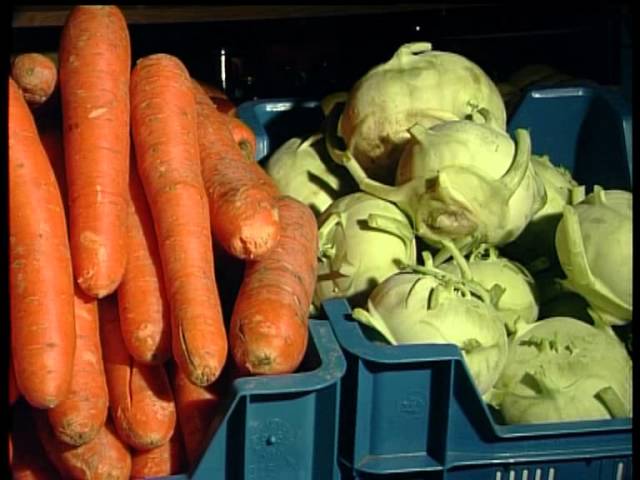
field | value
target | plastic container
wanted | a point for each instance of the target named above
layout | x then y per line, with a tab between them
280	427
413	412
585	129
274	121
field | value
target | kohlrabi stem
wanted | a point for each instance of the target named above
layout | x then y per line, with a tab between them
327	103
513	177
610	400
372	320
323	234
458	258
393	226
309	141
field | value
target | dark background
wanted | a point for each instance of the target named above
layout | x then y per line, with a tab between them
314	56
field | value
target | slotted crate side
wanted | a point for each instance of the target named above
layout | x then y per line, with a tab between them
456	431
283	426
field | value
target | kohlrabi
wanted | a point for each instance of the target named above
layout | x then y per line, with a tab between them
486	266
426	305
362	240
303	170
482	189
535	246
595	249
417	84
561	369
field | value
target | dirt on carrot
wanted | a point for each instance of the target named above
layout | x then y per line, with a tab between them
244	137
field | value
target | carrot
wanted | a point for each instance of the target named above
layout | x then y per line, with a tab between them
242	196
36	75
166	459
28	460
163	117
144	311
105	457
40	275
244	137
140	396
269	324
196	407
78	418
219	98
95	64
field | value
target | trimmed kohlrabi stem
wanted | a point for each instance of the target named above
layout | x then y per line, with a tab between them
514	176
392	226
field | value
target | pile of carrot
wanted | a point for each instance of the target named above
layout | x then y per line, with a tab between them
133	191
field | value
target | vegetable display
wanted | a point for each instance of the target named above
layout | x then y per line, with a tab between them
136	205
124	187
508	238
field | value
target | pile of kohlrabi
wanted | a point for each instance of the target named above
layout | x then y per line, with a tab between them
439	226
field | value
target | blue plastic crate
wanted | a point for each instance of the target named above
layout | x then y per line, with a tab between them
282	427
413	412
274	121
585	129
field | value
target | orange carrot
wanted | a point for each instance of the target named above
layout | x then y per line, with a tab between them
36	75
167	459
269	325
95	64
242	196
40	275
244	137
78	418
105	457
144	311
219	98
28	460
163	117
140	396
196	407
